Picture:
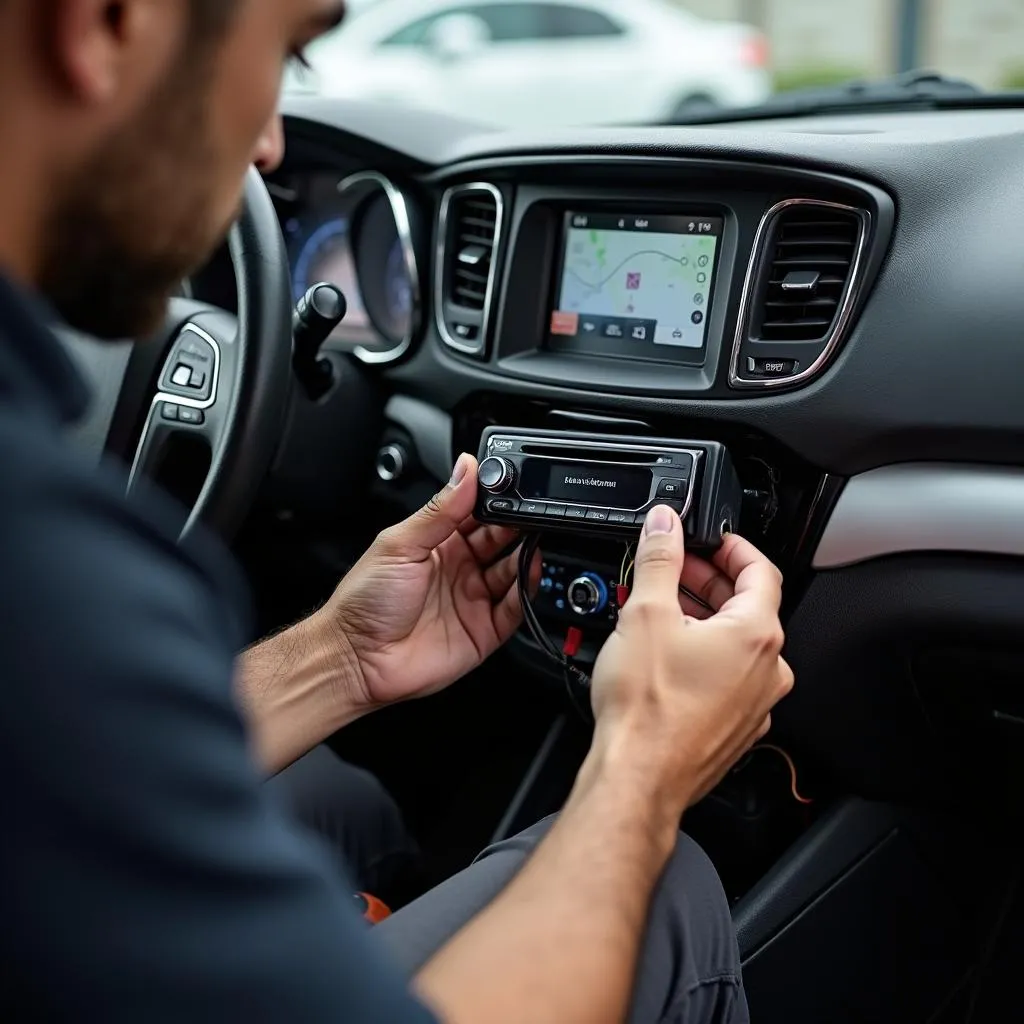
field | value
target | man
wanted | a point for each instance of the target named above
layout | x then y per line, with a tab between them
147	872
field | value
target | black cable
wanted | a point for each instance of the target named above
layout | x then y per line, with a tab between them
572	674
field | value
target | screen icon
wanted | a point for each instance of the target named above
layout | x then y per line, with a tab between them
698	299
701	277
613	331
633	282
698	317
678	332
640	333
702	261
588	326
565	324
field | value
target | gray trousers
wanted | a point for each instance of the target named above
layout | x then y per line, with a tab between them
689	970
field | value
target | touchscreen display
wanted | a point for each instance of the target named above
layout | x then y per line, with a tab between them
637	286
625	487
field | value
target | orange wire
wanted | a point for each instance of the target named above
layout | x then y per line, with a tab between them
792	770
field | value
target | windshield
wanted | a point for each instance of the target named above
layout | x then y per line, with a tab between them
520	63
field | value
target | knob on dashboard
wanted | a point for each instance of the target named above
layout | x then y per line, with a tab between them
588	594
392	460
496	474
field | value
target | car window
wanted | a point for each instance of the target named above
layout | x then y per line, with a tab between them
566	22
511	22
415	33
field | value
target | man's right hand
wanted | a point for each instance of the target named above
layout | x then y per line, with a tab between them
679	693
678	698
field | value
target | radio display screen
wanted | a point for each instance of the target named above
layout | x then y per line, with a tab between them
636	286
624	487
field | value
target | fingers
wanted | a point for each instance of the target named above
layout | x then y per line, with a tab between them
487	542
502	575
659	558
758	583
508	615
442	516
706	582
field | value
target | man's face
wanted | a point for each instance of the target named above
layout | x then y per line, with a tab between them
150	202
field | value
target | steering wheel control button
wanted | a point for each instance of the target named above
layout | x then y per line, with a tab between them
391	463
503	505
669	488
764	367
533	508
588	594
496	474
182	376
169	411
622	518
193	417
198	379
575	512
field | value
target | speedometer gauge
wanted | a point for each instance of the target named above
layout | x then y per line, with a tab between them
356	235
397	286
326	246
325	254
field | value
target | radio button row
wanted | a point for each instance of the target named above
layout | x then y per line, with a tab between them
533	508
503	505
575	512
671	488
555	511
597	515
678	506
622	518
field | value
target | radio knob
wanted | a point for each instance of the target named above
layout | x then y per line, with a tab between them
588	594
496	474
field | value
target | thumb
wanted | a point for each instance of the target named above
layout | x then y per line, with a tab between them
659	557
441	516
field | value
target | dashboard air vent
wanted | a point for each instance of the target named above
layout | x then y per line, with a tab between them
471	218
813	248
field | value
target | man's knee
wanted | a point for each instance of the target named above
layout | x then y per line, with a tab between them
689	968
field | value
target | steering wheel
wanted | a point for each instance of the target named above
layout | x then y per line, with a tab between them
208	385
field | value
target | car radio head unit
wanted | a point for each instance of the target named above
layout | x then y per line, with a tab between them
606	484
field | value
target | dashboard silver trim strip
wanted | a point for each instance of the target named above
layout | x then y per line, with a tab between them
403	227
922	507
846	305
442	254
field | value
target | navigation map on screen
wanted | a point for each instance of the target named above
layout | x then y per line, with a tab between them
643	280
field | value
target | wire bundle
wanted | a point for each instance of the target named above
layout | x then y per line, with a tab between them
574	676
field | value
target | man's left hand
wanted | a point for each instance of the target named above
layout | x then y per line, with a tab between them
428	602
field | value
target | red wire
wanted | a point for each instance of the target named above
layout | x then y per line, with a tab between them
792	770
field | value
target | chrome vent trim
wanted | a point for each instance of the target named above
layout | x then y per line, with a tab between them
761	262
442	299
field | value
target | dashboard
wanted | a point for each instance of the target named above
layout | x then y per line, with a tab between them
833	305
835	300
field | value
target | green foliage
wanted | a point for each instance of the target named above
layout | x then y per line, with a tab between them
1013	78
815	76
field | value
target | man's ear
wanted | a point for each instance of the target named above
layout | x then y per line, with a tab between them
100	47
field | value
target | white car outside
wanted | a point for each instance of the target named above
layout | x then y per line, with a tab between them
527	64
